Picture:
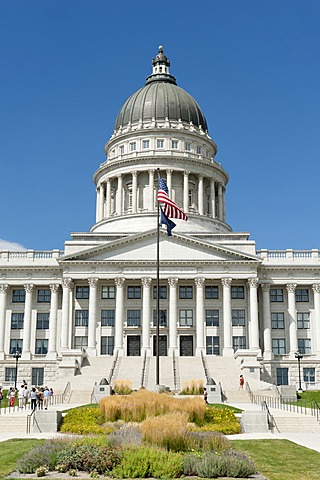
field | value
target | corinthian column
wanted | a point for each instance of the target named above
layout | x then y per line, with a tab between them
119	196
118	341
220	202
52	348
293	336
101	201
67	286
3	303
200	195
150	207
254	332
227	340
146	314
186	192
173	315
266	321
92	327
213	198
316	323
26	353
134	192
169	182
199	315
108	199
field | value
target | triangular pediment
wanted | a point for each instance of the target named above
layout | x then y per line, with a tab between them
143	248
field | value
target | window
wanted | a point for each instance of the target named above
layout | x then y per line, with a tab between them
211	291
304	346
282	376
163	292
80	342
107	318
239	343
16	345
303	320
199	149
133	318
309	375
212	346
37	376
81	318
121	149
190	198
187	146
237	292
302	295
174	143
134	292
212	318
277	320
279	346
107	345
133	146
145	143
18	296
10	374
108	292
276	295
82	292
44	295
160	143
238	318
163	318
42	321
17	321
41	346
186	318
185	292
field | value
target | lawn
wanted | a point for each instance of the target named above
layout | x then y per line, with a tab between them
12	450
281	459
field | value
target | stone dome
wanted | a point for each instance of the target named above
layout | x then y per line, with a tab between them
160	100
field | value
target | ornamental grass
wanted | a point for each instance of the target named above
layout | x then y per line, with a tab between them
122	387
192	387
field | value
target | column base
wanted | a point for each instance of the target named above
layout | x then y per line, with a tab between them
91	351
119	350
146	350
2	355
199	350
173	351
268	355
52	355
228	352
292	354
26	355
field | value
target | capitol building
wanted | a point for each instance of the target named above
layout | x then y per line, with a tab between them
223	303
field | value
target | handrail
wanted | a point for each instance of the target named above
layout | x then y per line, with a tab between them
28	429
205	367
270	417
66	392
113	367
315	409
248	389
278	391
143	372
175	373
282	405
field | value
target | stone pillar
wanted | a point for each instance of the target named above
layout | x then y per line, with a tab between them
266	321
97	204
3	303
118	340
134	191
200	346
173	315
316	323
92	321
220	202
169	182
150	207
26	352
200	195
108	199
67	286
293	336
146	314
119	196
52	348
101	201
227	328
223	204
213	198
186	192
254	332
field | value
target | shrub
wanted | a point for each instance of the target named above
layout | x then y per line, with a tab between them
144	462
126	435
193	387
211	441
122	387
40	456
42	471
85	420
213	465
218	420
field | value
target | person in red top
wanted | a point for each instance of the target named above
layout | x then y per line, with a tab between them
241	382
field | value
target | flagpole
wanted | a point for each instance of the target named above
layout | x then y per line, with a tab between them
158	291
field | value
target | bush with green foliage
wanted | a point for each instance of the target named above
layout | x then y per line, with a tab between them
84	420
44	455
214	465
221	420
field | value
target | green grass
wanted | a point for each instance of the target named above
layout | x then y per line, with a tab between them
12	450
308	397
226	407
281	459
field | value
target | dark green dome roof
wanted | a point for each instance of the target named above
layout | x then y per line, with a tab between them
160	99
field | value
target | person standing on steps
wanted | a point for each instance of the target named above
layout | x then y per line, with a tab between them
241	382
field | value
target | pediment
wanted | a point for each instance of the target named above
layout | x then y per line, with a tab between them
143	248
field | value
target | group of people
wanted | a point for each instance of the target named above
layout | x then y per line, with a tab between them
40	397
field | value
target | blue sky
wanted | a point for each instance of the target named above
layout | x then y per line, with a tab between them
67	66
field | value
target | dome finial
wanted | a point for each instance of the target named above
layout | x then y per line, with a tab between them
160	49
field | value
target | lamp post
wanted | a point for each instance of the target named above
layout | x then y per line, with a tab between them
298	356
17	355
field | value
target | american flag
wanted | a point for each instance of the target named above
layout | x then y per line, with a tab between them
170	208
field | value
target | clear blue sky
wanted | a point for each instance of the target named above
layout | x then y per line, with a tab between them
68	65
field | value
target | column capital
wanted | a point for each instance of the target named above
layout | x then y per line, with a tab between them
265	287
316	288
54	287
146	281
186	173
226	282
4	287
291	287
93	282
119	282
151	171
199	281
253	282
68	283
28	287
134	173
119	175
169	171
173	281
